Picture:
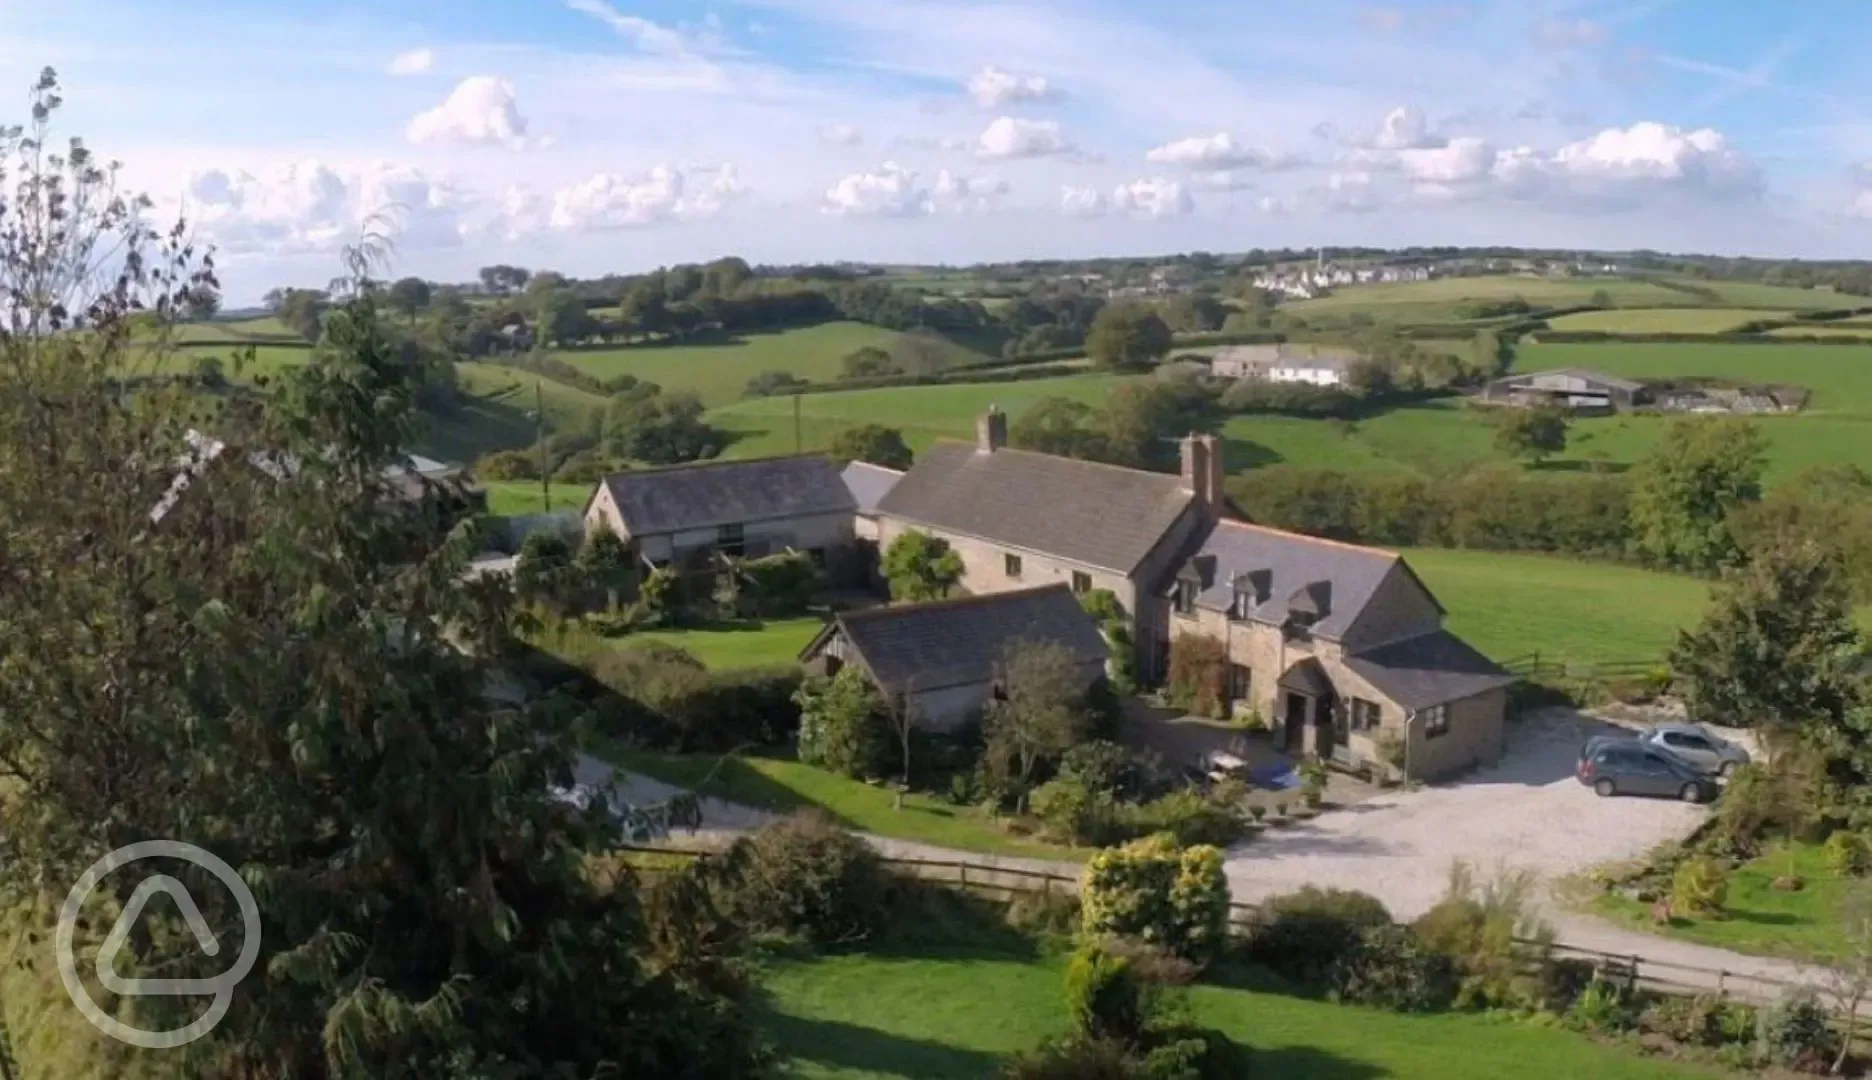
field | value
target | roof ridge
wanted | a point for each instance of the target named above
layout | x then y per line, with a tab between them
1075	460
696	466
1311	539
874	465
949	603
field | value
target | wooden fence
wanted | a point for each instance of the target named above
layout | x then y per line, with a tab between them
1005	883
1538	667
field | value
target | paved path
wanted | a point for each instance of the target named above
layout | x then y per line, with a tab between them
1691	964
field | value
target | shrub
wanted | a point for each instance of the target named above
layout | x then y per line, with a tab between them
1074	1059
1102	997
1312	780
1192	1053
1198	674
1309	935
1155	892
1847	853
843	725
1074	812
1103	765
1602	1009
780	585
1476	925
803	877
1389	968
1692	1021
1188	816
1794	1033
1699	887
682	706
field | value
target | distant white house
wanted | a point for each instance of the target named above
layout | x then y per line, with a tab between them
1283	363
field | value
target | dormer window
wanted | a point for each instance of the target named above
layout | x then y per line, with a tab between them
1186	598
1244	602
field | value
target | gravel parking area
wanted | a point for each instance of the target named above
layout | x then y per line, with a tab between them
1525	812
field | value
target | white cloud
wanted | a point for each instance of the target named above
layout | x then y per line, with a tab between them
1862	205
413	62
481	109
307	206
840	135
612	201
992	87
1219	151
1464	159
1010	137
1350	192
1623	164
646	35
1404	128
889	191
968	191
1570	33
1082	201
1223	180
1155	197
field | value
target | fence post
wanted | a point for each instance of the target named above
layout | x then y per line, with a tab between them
964	868
1722	983
1633	984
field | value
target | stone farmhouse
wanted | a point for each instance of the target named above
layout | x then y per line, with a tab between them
1340	648
739	508
939	661
1283	363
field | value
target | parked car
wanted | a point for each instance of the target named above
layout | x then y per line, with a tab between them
1628	766
1699	746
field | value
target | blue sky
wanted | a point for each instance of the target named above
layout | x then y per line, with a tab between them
596	135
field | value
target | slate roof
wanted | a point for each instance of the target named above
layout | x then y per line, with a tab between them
1430	669
702	496
1307	677
960	642
869	484
1098	515
1613	381
1295	574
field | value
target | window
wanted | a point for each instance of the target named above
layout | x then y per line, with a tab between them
1365	715
731	540
1435	721
1012	565
1082	582
1185	598
1240	680
1679	741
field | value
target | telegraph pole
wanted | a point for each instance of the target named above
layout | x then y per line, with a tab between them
539	440
798	447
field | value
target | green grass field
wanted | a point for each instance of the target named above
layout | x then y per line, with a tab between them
1663	320
567	407
511	498
720	371
1509	605
784	785
770	643
764	426
932	1013
1751	294
1758	918
1421	300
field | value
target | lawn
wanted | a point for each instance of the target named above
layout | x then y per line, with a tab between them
511	498
781	784
1509	605
933	1013
1757	917
764	426
770	643
719	370
1663	320
1436	300
567	407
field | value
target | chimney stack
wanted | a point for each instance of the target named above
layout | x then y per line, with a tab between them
1202	469
990	431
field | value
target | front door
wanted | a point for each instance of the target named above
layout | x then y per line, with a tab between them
1340	720
1297	707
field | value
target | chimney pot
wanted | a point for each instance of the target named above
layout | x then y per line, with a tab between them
991	431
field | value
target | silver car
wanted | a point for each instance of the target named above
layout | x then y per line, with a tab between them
1699	746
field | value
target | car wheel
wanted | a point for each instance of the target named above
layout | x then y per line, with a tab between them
1692	793
1728	770
1604	788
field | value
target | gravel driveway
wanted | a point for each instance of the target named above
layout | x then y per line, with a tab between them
1527	811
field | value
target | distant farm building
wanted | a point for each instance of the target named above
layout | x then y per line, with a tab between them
1568	388
1283	363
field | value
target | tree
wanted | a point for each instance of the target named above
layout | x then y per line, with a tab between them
605	563
865	362
564	318
920	567
1195	313
646	424
770	383
921	353
201	302
1535	434
1127	336
503	279
302	311
1684	491
1039	713
873	443
287	669
411	296
1059	426
644	309
1778	650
